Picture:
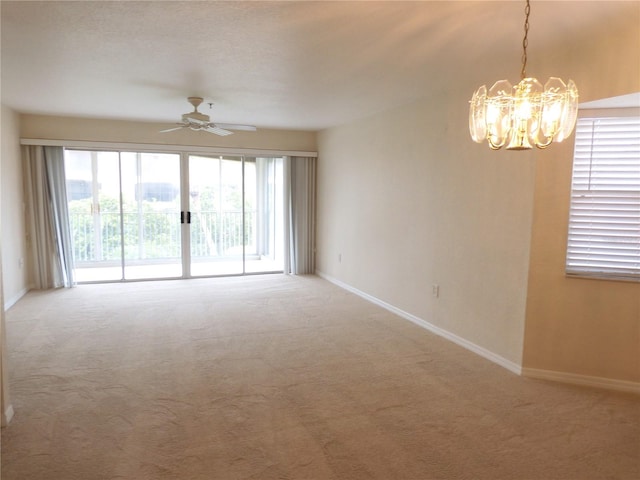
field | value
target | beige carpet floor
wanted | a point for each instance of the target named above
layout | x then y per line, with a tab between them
278	377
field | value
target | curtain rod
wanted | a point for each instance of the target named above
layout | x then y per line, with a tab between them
153	147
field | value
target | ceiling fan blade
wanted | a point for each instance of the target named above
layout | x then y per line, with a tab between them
232	126
214	128
171	129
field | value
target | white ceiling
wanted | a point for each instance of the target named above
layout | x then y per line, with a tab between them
295	64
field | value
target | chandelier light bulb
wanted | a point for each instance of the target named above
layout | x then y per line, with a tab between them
524	115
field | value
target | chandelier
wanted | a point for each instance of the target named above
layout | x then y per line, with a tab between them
525	115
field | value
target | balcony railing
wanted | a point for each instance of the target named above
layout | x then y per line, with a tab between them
157	235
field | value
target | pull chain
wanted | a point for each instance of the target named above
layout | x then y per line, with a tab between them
525	41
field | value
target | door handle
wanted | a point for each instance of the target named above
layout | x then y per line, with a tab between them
181	217
188	217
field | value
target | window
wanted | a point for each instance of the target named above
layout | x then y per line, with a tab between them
143	215
604	219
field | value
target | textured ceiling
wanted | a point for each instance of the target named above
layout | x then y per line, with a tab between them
299	65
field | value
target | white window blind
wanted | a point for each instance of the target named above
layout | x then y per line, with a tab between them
604	220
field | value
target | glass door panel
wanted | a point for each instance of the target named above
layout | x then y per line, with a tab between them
264	229
215	203
151	215
93	195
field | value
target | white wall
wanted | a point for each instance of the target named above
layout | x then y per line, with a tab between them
14	241
13	281
408	200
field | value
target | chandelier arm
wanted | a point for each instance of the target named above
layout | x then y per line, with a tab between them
544	145
546	139
495	146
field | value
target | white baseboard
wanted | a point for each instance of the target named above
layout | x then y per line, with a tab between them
563	377
7	415
477	349
10	302
583	380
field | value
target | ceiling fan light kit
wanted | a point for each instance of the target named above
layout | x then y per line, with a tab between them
199	121
525	115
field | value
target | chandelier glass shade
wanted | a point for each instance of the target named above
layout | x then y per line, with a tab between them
524	115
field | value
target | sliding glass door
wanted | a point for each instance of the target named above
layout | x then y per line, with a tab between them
136	215
236	210
264	200
93	194
151	215
124	214
216	215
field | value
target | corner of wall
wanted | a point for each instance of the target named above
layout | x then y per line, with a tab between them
12	218
579	330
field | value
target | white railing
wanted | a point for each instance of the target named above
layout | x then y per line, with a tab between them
156	235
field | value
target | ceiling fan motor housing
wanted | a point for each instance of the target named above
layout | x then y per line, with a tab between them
195	117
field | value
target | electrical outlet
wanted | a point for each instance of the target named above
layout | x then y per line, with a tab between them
339	258
20	262
435	290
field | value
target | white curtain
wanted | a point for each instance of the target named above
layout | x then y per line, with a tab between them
300	197
48	216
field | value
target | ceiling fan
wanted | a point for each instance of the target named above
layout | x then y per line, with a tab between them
199	121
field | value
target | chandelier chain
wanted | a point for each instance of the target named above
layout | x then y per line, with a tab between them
525	41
